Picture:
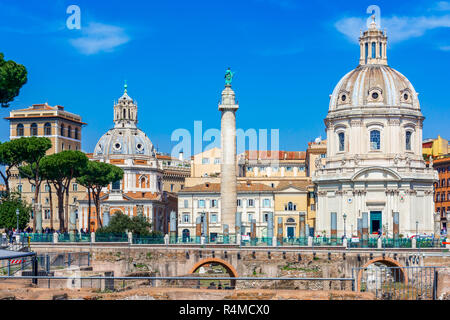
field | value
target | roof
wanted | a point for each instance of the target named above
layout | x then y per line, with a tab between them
301	185
8	254
274	155
215	188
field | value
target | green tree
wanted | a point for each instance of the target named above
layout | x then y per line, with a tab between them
8	217
98	175
60	169
12	77
121	223
12	154
34	150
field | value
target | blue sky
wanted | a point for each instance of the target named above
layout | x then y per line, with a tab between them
288	55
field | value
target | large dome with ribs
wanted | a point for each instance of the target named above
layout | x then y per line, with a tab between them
372	85
126	141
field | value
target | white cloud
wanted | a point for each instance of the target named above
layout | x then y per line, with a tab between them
398	28
98	37
442	6
444	48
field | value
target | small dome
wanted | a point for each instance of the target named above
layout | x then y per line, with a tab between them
124	141
371	85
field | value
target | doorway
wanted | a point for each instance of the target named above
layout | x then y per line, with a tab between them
375	221
290	232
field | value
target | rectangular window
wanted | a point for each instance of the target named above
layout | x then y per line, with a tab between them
213	203
250	203
288	168
375	140
74	187
266	217
408	140
266	203
47	214
46	201
205	161
185	218
171	187
238	202
341	141
213	218
19	188
250	217
201	203
47	188
186	203
216	160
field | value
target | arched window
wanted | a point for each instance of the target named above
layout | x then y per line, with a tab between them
290	206
76	133
62	130
143	182
69	131
381	50
408	140
47	129
19	130
341	136
374	50
290	220
33	129
124	113
375	140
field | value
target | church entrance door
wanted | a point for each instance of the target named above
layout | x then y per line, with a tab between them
375	221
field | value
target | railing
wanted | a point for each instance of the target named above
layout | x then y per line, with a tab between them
67	237
111	283
137	239
325	241
398	283
111	237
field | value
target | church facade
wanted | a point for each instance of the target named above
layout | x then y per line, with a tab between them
140	192
374	178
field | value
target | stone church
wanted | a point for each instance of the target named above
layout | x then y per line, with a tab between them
374	178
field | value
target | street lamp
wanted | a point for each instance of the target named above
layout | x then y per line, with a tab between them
17	214
345	217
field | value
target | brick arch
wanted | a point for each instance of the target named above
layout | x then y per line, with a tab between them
231	270
389	262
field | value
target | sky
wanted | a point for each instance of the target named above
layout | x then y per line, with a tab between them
287	56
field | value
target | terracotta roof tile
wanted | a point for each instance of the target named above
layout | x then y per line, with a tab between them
270	155
215	188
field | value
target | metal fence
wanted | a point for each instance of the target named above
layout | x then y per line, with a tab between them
111	283
46	263
398	283
232	240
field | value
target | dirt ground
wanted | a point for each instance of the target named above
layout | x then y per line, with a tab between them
23	290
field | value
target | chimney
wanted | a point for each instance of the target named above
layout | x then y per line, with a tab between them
180	156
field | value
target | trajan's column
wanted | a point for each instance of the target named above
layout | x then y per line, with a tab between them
228	196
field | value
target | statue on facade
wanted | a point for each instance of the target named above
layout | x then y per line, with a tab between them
229	77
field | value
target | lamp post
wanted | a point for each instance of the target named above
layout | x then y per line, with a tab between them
17	214
345	217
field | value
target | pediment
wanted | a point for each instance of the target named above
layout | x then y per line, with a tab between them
376	174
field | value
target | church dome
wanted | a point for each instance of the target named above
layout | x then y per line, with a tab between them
371	85
124	141
125	138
